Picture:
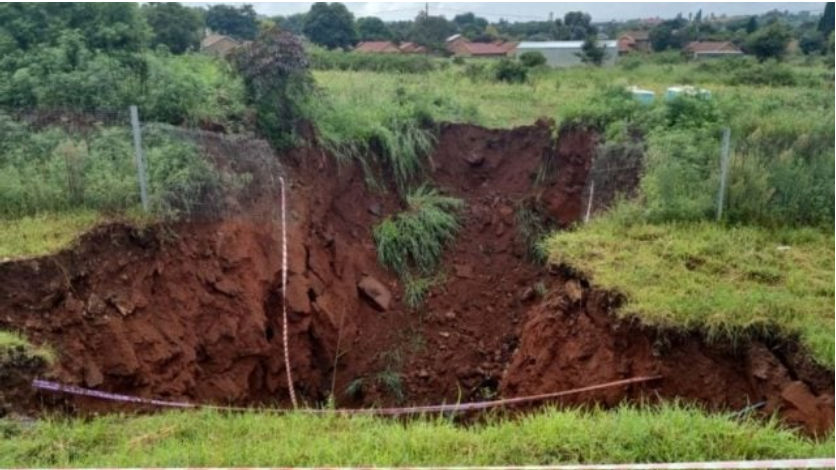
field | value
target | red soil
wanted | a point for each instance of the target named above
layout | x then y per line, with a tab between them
193	311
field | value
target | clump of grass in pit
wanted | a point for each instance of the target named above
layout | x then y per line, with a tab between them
11	342
729	282
627	434
415	239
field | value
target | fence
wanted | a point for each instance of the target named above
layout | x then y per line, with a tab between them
107	160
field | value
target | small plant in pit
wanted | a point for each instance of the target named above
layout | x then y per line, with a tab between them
532	227
414	240
417	287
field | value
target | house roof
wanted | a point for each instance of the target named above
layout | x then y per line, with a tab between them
376	46
639	35
215	38
489	48
723	47
453	37
411	47
561	44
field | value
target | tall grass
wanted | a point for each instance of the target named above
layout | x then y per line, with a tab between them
668	433
414	240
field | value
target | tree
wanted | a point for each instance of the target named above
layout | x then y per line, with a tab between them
532	59
576	25
292	23
769	42
372	28
431	31
826	23
811	42
330	25
471	26
239	22
752	25
174	26
591	52
278	80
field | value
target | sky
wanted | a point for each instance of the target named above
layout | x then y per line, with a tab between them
523	11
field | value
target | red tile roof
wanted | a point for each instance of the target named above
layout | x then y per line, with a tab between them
483	48
412	48
376	47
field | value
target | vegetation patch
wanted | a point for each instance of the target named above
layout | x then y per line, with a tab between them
43	233
730	282
13	344
669	433
414	240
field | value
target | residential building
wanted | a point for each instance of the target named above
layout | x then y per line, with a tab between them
634	41
218	44
706	49
566	53
388	47
460	46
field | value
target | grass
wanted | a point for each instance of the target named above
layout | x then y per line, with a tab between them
415	239
10	341
669	433
43	233
729	282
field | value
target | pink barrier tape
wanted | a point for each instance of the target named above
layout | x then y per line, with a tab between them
739	464
75	390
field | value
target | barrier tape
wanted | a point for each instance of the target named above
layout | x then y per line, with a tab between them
76	390
285	342
735	464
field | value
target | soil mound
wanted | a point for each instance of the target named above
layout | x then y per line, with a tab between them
193	311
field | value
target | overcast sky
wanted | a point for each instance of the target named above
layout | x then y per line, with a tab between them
522	11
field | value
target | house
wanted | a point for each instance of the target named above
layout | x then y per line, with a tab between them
707	49
377	47
460	46
218	44
566	53
388	47
634	41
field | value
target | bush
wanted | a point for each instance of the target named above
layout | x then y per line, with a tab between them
414	240
322	59
770	73
507	70
532	59
458	60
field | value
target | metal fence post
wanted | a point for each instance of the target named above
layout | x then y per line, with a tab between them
724	171
140	160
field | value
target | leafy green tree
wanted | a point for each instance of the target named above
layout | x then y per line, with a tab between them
591	52
372	28
175	26
330	25
431	31
293	23
471	26
812	42
769	42
576	25
276	74
751	25
826	23
239	22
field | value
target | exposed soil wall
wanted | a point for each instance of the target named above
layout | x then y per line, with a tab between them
193	311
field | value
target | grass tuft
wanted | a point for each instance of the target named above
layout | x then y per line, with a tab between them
10	342
415	239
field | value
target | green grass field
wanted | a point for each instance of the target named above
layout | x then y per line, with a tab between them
670	433
726	281
44	233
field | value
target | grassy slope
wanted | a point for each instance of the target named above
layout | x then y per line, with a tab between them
44	233
669	433
727	281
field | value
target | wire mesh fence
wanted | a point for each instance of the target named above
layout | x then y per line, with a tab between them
62	160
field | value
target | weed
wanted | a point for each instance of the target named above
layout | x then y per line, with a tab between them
391	381
354	389
532	226
415	239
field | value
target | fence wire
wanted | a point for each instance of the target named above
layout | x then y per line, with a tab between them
60	160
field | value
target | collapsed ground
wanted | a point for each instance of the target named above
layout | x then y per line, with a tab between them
193	311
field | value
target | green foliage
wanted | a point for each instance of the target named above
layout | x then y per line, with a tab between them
372	28
176	27
13	344
730	282
770	42
275	72
44	233
322	59
532	226
769	73
431	32
592	53
330	25
508	71
532	59
629	434
826	23
414	240
237	21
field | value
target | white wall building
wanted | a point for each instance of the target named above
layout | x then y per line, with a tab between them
565	53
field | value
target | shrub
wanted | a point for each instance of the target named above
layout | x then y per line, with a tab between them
507	70
770	73
414	240
322	59
458	60
532	59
